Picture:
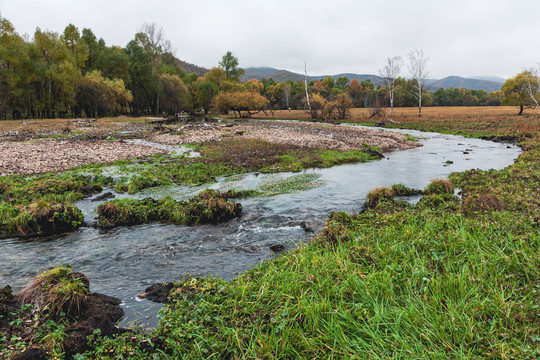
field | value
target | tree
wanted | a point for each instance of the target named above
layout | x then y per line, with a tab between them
355	89
417	68
229	63
152	39
174	93
244	103
99	96
206	90
343	104
390	72
521	91
532	83
342	82
113	62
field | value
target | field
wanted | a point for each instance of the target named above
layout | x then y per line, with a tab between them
447	278
494	120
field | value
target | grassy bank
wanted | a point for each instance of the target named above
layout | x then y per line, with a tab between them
444	279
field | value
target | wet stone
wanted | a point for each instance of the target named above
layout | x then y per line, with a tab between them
276	248
105	196
157	292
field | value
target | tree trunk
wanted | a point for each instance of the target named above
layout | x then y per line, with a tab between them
520	109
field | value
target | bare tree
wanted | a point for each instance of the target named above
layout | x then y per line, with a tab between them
287	93
305	83
152	39
417	68
389	73
532	82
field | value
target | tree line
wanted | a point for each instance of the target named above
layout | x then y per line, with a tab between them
75	74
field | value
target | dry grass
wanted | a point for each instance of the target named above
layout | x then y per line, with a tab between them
500	120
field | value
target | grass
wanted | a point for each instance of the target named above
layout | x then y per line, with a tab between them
208	207
443	279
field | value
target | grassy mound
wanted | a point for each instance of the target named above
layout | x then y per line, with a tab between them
208	207
40	218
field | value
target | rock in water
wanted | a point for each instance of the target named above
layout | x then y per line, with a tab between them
157	292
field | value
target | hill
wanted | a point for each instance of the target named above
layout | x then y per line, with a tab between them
191	68
460	82
433	84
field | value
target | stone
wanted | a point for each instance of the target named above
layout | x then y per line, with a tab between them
276	248
157	292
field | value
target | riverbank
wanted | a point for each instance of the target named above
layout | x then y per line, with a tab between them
444	278
441	279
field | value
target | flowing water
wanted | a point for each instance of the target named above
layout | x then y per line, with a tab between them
124	261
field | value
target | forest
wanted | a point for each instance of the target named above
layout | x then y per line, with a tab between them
76	74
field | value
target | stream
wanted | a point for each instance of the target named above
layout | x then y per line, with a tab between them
122	262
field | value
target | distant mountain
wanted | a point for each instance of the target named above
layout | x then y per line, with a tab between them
490	78
361	77
466	83
490	83
284	75
191	68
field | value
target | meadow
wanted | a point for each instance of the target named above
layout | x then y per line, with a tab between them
448	278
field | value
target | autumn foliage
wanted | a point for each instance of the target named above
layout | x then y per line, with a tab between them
243	103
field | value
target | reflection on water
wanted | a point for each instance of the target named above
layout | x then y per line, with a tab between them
124	261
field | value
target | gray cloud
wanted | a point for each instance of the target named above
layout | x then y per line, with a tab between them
461	37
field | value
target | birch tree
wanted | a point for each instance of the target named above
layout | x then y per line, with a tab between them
532	82
390	73
418	70
307	95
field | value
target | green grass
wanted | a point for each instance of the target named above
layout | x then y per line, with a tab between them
443	279
207	207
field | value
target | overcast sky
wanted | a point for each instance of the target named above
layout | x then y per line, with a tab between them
461	37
